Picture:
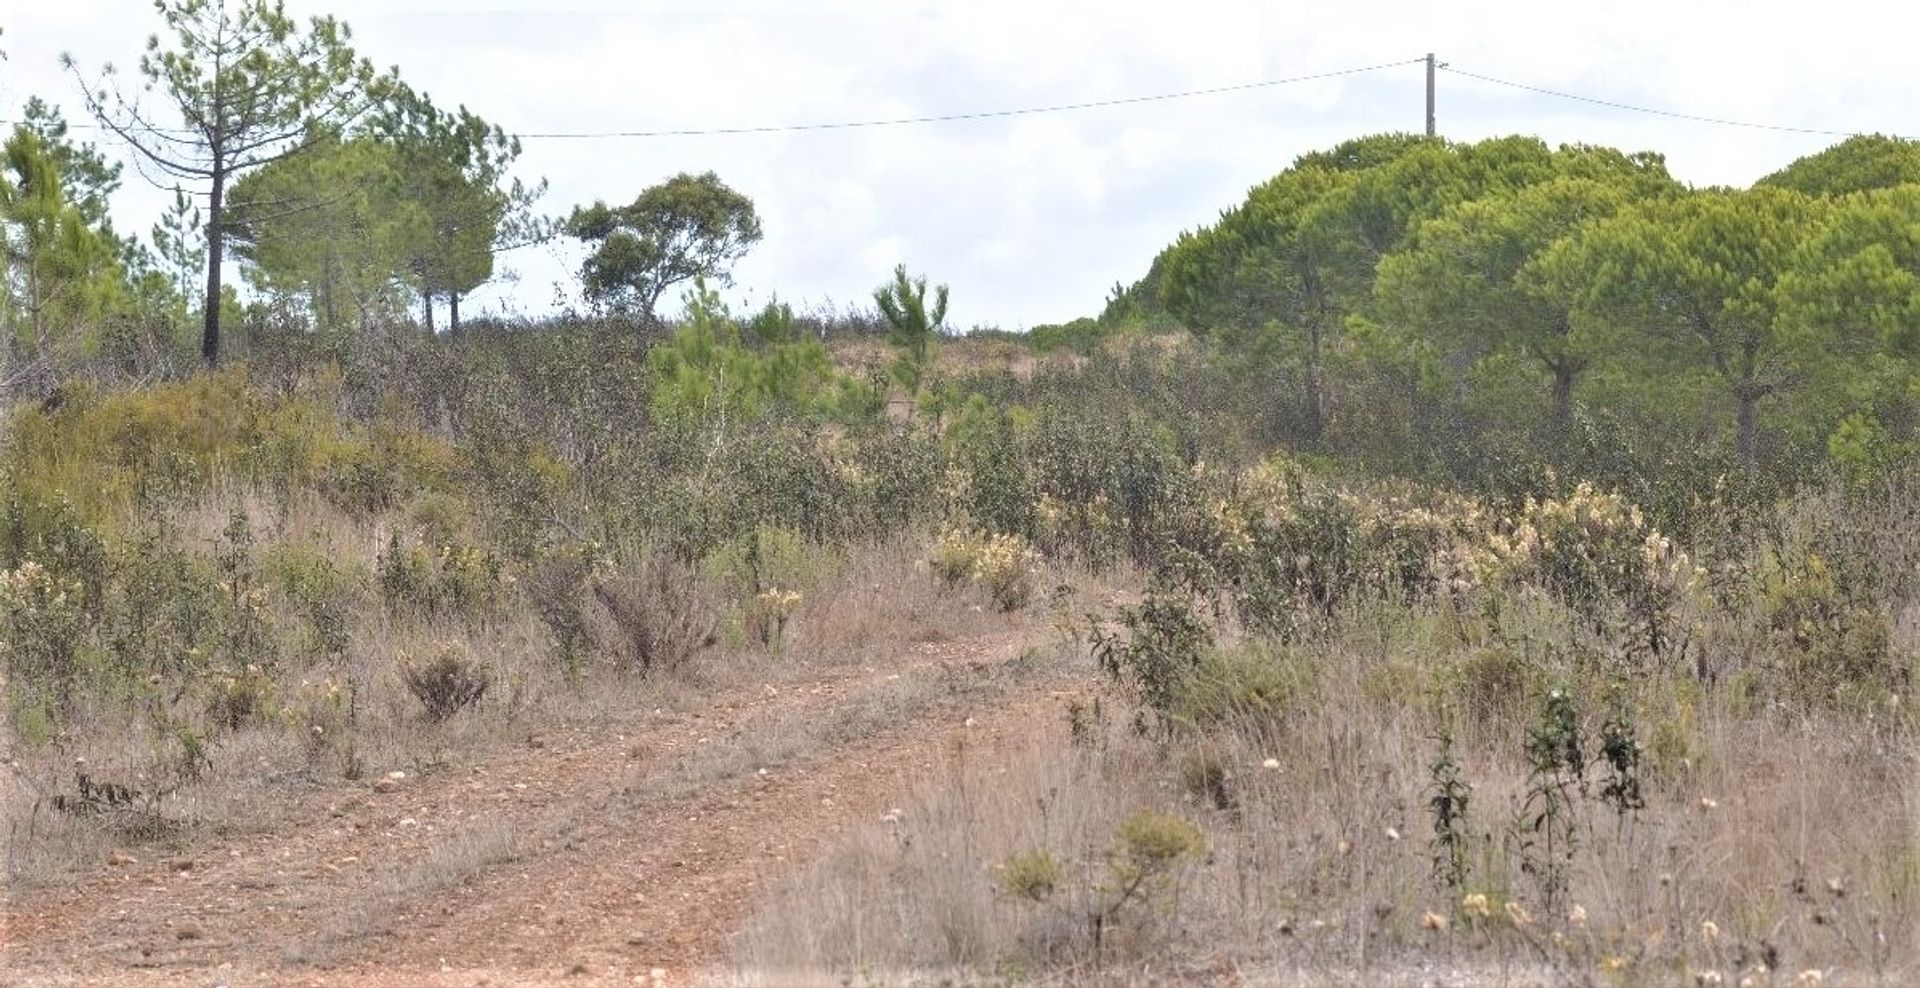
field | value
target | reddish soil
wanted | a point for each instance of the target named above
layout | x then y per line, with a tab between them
587	859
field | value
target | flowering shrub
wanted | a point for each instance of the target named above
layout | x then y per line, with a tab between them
1002	565
452	579
241	697
768	613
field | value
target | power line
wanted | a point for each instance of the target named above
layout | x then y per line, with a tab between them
972	115
1655	111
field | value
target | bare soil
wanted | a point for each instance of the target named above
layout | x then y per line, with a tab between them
621	855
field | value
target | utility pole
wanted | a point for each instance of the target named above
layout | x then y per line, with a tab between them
1430	129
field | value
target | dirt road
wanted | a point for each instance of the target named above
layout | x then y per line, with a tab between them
618	857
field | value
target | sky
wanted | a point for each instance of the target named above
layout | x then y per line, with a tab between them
1032	219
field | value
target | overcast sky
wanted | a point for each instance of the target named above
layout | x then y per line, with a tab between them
1031	219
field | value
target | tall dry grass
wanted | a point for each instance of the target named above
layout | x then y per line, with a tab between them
1772	844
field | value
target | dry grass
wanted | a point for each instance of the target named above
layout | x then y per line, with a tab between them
1789	841
871	620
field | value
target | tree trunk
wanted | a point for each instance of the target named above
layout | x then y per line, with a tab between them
1562	395
216	253
427	298
453	313
1316	409
1747	423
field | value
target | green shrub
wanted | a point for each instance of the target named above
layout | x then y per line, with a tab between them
1204	776
41	624
320	589
1832	649
1489	685
453	579
1248	682
1031	875
1165	641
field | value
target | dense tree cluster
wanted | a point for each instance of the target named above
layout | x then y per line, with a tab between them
1782	316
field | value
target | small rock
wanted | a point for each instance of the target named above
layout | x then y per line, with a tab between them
636	939
188	932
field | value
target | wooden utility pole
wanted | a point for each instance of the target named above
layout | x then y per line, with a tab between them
1430	129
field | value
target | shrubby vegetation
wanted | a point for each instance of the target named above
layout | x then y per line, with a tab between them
1526	473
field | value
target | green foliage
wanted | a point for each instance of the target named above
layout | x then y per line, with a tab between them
1702	276
449	579
685	228
459	204
320	589
242	697
249	87
710	371
1165	642
42	618
1546	829
1031	875
913	326
60	270
1450	801
1149	848
1620	751
1204	776
1248	683
330	229
1858	164
1834	647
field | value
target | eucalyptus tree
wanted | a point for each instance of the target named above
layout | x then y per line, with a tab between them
688	227
241	85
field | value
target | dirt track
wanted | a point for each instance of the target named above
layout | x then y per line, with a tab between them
622	857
